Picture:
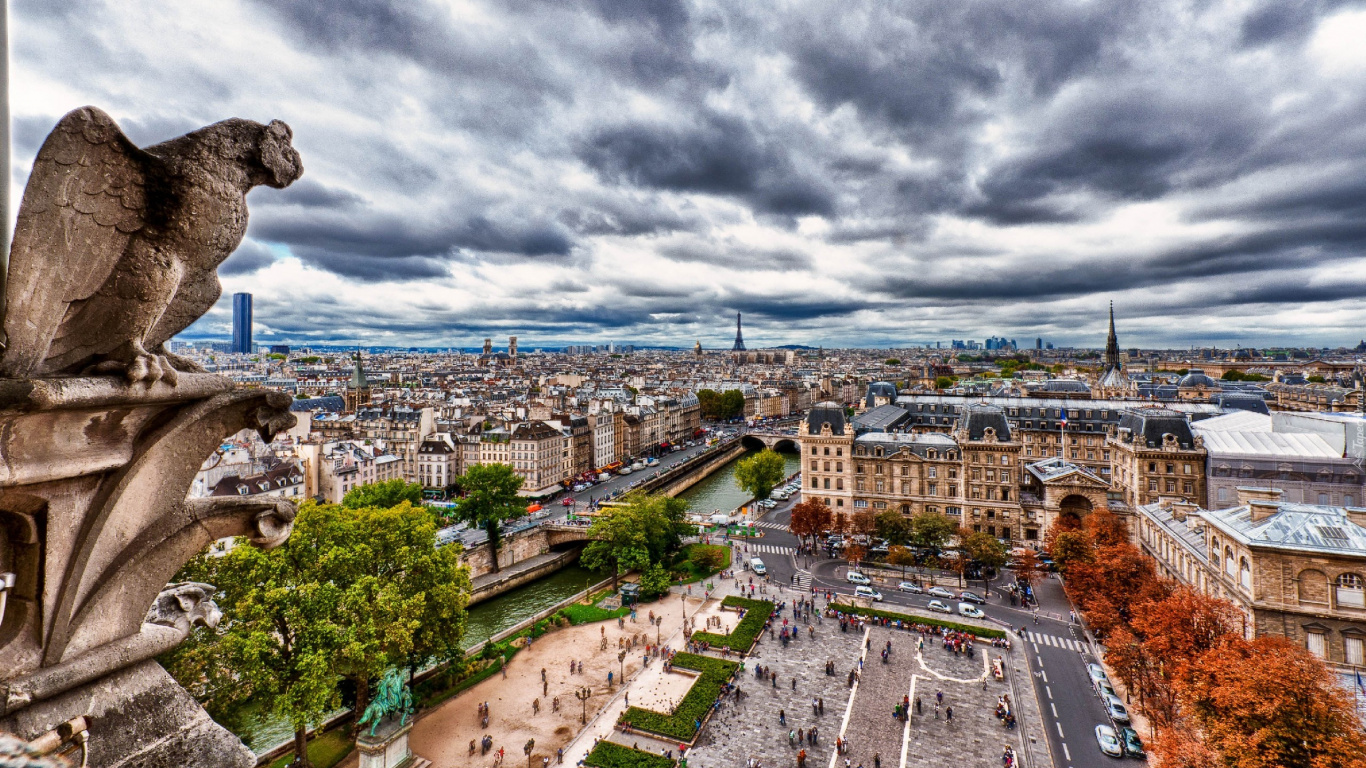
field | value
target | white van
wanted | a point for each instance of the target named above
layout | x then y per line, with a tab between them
854	577
757	566
970	610
868	592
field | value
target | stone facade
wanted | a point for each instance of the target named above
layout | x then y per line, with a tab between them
1294	570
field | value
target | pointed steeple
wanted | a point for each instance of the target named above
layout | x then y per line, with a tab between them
358	381
739	340
1112	344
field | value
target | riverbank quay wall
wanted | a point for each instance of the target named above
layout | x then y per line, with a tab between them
686	474
539	551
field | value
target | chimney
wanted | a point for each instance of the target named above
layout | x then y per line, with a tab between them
1183	508
1247	495
1357	515
1261	509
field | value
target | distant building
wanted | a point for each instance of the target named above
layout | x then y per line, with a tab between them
279	349
739	340
241	323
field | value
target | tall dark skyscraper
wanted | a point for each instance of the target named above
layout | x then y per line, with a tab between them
739	340
241	323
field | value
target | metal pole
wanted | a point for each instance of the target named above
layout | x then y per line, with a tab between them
4	165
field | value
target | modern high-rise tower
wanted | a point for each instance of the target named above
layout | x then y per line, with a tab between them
241	323
739	340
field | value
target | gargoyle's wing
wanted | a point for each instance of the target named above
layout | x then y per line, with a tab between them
85	197
196	295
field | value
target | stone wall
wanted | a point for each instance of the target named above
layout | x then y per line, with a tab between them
516	548
689	473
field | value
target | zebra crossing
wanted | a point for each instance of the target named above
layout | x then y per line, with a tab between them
767	549
771	525
803	580
1058	642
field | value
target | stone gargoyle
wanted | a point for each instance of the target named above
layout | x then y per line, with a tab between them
116	248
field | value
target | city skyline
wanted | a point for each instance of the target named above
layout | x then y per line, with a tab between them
841	175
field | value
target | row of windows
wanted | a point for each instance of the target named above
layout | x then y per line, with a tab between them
838	451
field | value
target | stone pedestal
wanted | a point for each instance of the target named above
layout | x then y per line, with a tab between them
388	748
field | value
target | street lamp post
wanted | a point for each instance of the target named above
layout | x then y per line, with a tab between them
583	694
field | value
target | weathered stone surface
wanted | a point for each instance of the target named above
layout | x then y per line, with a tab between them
138	718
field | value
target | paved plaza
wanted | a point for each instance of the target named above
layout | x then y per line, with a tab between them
864	716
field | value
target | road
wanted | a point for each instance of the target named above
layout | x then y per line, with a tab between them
473	536
1057	651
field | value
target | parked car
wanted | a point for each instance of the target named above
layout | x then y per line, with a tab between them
1097	673
1108	741
970	610
972	597
912	587
1104	688
1133	746
940	592
758	566
1115	709
854	577
868	592
935	605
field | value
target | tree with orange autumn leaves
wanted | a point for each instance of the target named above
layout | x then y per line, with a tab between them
1215	699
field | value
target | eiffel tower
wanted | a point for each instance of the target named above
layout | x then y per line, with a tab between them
739	340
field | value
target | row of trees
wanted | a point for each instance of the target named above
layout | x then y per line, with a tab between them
1213	697
721	405
922	540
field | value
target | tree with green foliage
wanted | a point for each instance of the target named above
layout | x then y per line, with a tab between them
985	550
309	359
490	500
943	382
346	594
1314	379
721	405
760	473
893	527
645	529
654	582
705	558
931	530
389	493
892	361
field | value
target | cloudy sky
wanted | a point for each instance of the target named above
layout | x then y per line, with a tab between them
844	173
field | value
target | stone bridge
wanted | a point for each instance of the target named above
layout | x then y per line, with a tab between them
776	441
557	535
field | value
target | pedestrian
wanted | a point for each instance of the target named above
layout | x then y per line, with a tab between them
782	717
628	698
821	706
939	696
559	754
794	683
918	709
936	710
545	688
503	666
543	677
948	713
877	760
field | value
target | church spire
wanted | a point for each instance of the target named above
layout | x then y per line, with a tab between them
1112	343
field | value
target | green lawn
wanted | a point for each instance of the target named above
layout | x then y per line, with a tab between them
325	751
684	565
610	755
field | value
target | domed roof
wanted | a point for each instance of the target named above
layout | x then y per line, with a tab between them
1196	378
825	413
879	389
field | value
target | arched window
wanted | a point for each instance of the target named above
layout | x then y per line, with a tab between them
1228	561
1351	591
1244	574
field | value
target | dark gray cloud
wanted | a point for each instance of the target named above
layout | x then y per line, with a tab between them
841	172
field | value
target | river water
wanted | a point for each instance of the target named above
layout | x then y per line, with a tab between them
718	491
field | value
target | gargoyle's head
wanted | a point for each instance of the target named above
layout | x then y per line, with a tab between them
281	161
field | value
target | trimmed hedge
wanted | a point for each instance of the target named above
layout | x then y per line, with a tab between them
757	613
952	625
679	724
609	754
